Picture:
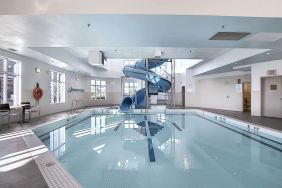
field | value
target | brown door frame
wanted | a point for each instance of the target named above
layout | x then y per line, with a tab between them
243	95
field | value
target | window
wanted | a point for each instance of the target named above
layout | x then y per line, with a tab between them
130	62
98	89
57	87
10	82
130	87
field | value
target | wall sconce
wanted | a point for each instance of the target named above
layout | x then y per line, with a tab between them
37	70
76	79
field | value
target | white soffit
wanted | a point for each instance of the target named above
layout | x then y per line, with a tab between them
265	37
227	58
271	8
182	64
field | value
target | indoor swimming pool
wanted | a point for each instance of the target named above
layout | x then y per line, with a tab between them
163	150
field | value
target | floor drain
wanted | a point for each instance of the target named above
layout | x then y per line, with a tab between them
49	164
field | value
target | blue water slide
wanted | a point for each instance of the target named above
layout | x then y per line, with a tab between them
139	71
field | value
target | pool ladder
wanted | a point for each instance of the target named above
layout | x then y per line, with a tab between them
78	105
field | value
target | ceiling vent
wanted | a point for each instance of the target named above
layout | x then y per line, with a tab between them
229	35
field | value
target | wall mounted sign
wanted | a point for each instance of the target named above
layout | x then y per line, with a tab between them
273	87
238	88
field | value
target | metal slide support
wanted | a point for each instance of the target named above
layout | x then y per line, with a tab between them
173	73
171	89
147	84
172	80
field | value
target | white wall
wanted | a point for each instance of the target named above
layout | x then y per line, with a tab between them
113	92
215	92
180	80
259	70
29	79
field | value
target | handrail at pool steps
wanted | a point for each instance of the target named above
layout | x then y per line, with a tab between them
78	106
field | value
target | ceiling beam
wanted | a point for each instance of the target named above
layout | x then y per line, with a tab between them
67	58
226	59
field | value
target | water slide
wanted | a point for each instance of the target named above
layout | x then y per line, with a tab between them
156	83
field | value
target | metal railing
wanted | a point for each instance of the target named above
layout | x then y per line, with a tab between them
78	106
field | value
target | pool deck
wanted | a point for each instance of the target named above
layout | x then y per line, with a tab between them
25	162
273	123
15	172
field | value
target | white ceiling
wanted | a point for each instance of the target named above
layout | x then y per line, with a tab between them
68	38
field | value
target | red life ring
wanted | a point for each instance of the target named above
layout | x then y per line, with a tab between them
37	93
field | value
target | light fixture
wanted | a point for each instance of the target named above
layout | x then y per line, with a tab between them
241	67
12	49
37	70
267	53
57	63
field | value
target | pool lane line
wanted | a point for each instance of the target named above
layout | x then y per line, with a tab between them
176	126
116	128
257	140
151	150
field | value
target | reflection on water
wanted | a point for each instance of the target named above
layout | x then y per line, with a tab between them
188	151
58	142
98	124
161	117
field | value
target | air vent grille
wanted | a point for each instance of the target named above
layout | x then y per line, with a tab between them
229	35
271	72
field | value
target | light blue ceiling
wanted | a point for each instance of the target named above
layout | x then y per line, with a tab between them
176	34
132	31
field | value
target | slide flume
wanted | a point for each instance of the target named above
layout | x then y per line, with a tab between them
139	71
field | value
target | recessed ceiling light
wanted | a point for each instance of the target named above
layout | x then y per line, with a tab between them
267	53
37	69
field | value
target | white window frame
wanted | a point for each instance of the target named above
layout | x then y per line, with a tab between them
17	81
60	89
130	62
132	87
97	84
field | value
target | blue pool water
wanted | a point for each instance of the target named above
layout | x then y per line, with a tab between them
158	150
